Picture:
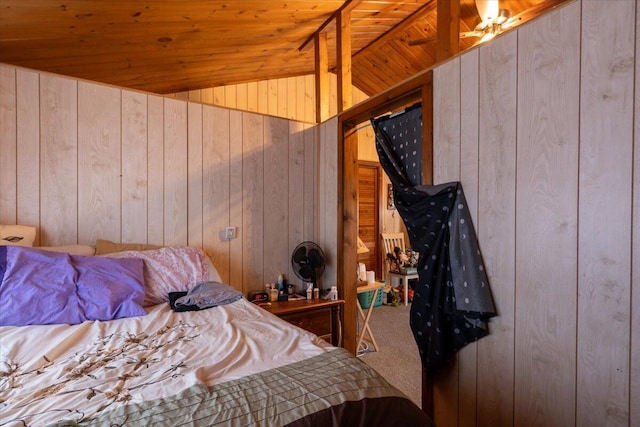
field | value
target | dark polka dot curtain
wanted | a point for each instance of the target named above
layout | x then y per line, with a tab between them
452	301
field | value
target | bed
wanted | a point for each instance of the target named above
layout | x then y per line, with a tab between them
140	361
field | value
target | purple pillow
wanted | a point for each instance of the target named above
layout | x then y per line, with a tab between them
40	287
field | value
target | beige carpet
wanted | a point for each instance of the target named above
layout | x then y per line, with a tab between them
398	359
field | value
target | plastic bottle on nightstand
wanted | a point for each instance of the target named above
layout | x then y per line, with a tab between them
333	293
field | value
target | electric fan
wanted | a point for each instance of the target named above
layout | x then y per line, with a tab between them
308	262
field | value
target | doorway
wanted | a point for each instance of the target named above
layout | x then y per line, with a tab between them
369	182
419	87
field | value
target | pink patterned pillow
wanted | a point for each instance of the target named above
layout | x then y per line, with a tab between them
169	269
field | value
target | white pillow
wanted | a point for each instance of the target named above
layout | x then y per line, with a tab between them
214	276
84	250
17	235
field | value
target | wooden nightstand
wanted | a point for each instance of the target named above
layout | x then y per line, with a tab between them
319	316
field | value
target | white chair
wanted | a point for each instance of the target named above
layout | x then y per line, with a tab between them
389	242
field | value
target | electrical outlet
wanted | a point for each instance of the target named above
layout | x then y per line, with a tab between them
230	233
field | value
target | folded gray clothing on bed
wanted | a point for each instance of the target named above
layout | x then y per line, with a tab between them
209	294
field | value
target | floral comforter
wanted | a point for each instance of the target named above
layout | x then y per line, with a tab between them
228	365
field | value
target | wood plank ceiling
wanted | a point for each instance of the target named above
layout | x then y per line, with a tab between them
165	46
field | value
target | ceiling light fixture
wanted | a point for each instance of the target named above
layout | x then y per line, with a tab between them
492	19
488	11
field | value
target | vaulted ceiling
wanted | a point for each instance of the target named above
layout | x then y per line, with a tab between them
165	46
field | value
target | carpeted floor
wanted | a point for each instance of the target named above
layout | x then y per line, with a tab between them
398	359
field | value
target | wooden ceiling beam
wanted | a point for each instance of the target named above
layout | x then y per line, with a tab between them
448	26
322	77
348	6
343	60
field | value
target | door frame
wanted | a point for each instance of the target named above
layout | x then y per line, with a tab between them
417	88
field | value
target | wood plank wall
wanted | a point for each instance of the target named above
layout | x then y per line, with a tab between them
291	98
328	200
82	161
538	125
294	98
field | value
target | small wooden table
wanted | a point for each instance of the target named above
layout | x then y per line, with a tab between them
365	332
319	316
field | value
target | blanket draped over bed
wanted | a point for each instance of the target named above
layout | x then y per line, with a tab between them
234	365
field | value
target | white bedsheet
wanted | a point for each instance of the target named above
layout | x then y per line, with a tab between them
57	372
